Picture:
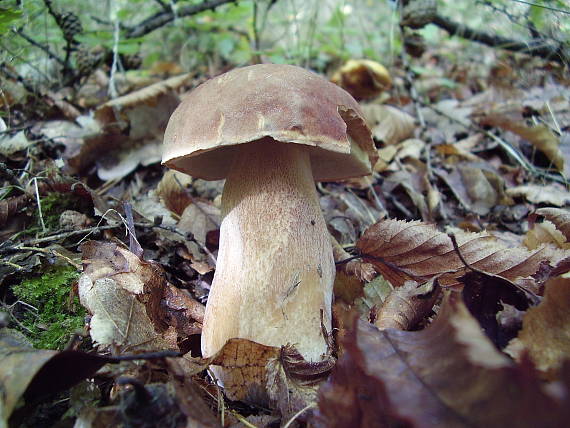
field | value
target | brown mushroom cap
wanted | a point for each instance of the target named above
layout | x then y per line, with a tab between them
286	103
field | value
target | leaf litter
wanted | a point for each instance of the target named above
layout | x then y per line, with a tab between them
422	329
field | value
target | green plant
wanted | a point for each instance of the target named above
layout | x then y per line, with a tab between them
58	313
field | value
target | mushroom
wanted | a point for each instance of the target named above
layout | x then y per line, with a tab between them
270	131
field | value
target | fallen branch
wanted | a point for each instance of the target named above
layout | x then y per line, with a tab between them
164	17
542	49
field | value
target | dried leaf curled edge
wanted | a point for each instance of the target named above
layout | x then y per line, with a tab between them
417	251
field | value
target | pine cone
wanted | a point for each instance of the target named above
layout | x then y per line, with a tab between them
87	60
70	26
414	43
131	62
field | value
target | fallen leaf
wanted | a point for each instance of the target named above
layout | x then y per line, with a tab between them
10	206
123	294
128	130
546	328
33	374
545	233
142	109
191	402
388	124
448	375
550	194
173	191
417	251
242	370
486	295
363	271
374	295
540	136
561	218
353	398
408	305
119	164
476	187
292	382
182	312
198	219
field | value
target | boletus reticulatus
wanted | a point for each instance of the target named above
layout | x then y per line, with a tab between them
270	131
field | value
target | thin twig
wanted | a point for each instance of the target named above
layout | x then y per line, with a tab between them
44	48
543	6
13	265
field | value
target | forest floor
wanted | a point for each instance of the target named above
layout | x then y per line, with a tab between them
462	233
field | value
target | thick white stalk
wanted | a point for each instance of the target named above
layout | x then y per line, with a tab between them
275	268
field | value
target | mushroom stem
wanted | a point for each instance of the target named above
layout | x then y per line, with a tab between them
275	268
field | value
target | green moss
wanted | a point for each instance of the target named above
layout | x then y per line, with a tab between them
59	314
53	204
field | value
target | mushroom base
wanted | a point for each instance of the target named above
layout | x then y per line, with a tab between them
275	268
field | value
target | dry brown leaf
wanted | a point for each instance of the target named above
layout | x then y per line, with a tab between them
545	233
448	375
408	305
128	131
540	136
385	157
374	295
123	294
173	191
414	187
120	163
546	327
261	374
28	375
388	124
461	149
122	108
292	382
244	374
476	187
417	251
198	219
189	397
410	148
20	363
561	218
10	206
183	312
486	295
551	194
363	271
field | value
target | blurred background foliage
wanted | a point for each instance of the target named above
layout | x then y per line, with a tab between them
318	34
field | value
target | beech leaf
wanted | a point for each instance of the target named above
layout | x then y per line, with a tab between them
417	251
560	218
123	294
546	327
448	375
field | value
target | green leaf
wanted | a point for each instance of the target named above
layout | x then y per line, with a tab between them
7	17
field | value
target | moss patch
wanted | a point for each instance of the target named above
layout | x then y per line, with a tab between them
56	203
59	312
